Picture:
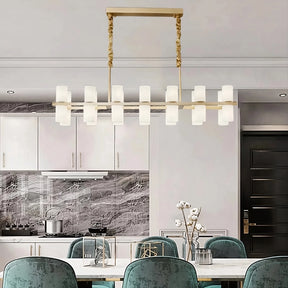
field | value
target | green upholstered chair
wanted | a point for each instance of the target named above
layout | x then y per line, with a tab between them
35	272
160	272
169	245
271	272
224	247
76	251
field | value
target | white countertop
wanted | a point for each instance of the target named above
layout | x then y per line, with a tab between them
38	239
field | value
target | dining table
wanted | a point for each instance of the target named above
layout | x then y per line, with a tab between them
228	269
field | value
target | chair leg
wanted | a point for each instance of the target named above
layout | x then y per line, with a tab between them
84	284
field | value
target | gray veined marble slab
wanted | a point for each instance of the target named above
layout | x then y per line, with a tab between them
120	201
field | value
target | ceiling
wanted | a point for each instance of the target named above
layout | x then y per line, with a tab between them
48	43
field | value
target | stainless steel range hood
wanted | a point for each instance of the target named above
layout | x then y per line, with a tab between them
74	174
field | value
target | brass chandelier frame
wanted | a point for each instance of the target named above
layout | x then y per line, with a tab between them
176	13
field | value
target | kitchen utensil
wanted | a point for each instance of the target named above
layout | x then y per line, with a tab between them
53	225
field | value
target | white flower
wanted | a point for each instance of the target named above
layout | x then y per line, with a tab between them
192	217
178	222
187	205
203	229
194	211
181	204
198	227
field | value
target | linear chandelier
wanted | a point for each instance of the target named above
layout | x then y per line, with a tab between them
173	96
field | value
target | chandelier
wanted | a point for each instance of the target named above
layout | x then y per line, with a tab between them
173	96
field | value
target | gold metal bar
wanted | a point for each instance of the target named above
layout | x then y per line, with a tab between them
39	250
72	159
3	160
139	11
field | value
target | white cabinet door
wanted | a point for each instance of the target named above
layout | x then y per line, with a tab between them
131	145
19	143
52	249
57	145
95	145
10	251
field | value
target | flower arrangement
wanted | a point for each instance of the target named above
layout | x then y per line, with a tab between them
192	221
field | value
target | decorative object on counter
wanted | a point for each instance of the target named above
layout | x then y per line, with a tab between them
173	95
97	250
192	235
149	248
53	224
19	230
203	256
98	229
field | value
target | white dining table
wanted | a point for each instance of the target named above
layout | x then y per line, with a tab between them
229	269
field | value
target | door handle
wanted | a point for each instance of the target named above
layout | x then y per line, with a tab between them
39	250
3	160
72	160
246	223
80	156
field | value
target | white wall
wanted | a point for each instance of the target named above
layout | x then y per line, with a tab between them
199	164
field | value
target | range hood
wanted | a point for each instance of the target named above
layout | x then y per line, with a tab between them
79	175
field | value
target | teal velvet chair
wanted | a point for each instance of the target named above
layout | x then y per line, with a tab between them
224	247
35	272
169	245
271	272
160	272
76	251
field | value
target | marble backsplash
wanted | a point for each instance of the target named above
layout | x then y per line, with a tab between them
120	201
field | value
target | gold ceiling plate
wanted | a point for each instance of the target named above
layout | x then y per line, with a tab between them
151	12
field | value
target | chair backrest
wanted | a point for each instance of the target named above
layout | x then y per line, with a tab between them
159	272
268	273
35	272
226	247
90	245
169	246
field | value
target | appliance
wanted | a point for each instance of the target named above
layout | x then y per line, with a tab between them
173	97
75	175
63	235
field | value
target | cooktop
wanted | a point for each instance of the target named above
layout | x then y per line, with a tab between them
65	235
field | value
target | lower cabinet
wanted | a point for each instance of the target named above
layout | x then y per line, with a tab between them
11	250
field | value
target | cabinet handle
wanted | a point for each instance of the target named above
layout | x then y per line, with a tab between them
72	160
3	160
80	160
118	161
39	250
31	250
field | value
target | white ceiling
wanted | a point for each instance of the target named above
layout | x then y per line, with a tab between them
47	43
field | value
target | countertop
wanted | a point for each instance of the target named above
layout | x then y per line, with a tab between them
38	239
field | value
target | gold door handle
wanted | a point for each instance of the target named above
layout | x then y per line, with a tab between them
73	160
3	158
31	250
252	224
39	250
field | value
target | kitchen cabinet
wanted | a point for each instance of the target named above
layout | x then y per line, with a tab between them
95	145
76	147
10	251
131	145
57	145
18	143
52	249
13	250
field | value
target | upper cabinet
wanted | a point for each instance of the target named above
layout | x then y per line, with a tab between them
18	143
39	143
57	145
131	145
95	145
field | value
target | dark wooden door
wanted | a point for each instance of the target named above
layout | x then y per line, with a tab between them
264	193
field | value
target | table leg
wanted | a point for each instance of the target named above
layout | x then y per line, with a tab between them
84	284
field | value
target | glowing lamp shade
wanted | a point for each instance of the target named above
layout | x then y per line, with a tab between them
117	109
144	110
227	110
65	113
199	111
222	121
90	108
171	110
